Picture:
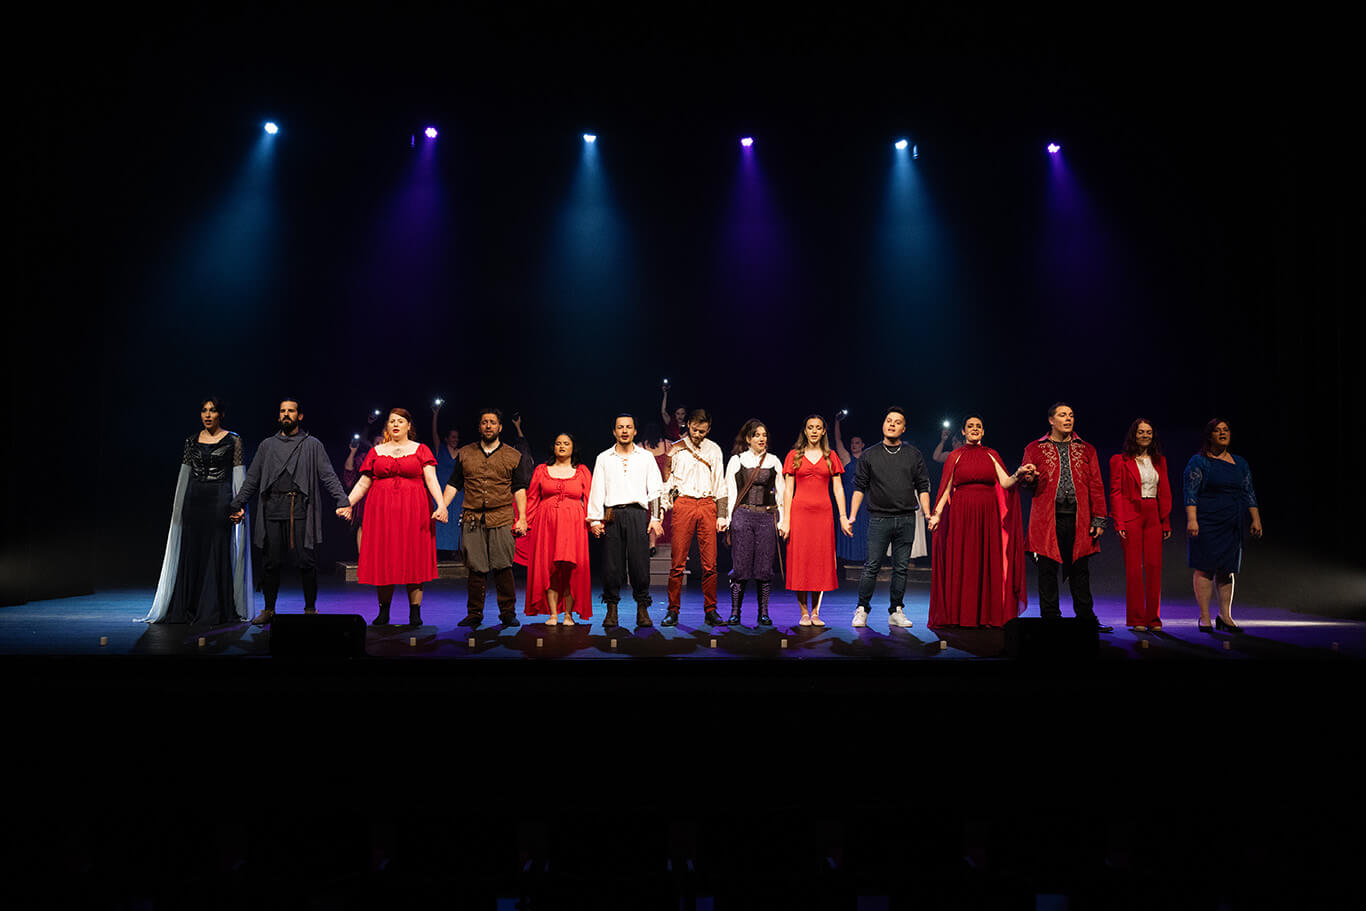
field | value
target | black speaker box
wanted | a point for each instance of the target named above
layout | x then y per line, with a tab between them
1056	638
317	636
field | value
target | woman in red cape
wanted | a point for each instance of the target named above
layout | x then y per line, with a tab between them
557	506
977	570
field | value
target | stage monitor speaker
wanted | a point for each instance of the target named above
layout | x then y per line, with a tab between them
1060	638
317	636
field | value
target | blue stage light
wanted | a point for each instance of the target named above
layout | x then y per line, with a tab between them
590	137
902	145
271	128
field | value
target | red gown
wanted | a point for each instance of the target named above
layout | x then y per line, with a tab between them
977	574
811	534
558	508
398	544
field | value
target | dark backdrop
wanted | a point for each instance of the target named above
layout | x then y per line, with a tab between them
1195	252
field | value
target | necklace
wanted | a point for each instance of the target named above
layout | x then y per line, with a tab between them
891	451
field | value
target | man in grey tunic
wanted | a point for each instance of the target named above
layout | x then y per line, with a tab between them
287	471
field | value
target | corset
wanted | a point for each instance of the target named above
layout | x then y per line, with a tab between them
211	461
761	492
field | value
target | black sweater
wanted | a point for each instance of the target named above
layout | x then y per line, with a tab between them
892	481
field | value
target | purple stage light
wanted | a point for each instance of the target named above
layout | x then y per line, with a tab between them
430	132
1054	148
271	128
902	145
747	141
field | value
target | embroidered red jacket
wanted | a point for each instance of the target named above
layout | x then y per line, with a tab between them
1090	487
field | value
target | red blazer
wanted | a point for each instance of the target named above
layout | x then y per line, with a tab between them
1126	490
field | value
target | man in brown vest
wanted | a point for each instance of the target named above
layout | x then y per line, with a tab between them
494	477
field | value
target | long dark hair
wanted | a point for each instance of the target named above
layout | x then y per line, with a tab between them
407	416
1131	440
799	447
747	431
1207	442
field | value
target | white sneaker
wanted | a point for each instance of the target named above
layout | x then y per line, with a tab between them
897	618
860	618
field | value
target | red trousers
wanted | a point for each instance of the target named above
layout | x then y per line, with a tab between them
693	518
1143	565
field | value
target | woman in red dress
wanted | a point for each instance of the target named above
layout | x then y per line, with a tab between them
398	546
811	474
977	574
1141	504
557	505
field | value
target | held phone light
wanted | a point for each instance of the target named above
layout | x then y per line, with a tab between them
439	402
355	436
375	413
666	382
946	424
842	414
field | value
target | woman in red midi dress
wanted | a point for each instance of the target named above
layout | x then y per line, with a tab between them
811	474
557	505
398	546
977	574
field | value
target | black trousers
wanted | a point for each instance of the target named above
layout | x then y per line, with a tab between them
626	548
278	552
1077	573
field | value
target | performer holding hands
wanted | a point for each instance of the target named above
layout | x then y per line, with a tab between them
623	507
697	489
811	473
398	546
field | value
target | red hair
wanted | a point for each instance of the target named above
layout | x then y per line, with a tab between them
403	413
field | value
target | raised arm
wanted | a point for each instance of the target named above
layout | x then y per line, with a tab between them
839	442
436	437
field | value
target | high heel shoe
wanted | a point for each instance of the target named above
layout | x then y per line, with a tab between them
1226	626
1204	627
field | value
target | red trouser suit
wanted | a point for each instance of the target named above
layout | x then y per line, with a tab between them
1144	521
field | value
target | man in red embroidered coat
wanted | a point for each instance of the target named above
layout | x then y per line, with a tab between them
1068	514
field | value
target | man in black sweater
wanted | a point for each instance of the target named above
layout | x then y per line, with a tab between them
896	482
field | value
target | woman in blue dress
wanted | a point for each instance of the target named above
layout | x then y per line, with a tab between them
851	549
1218	489
445	448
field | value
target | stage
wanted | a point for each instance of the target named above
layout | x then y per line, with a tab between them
105	624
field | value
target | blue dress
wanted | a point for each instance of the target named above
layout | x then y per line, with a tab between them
855	549
448	535
1221	493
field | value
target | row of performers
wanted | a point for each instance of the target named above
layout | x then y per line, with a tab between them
754	499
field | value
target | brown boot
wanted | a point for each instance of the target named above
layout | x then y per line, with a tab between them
474	604
643	617
610	621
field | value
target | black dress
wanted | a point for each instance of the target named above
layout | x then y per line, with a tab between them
204	584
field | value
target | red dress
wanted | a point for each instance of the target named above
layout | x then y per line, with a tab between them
558	508
977	574
811	534
398	546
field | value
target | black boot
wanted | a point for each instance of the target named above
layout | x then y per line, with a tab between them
610	621
475	585
414	614
383	618
765	589
643	617
670	618
737	598
713	618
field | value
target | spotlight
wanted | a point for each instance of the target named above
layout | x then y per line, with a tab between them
590	137
430	132
1054	148
747	141
915	152
902	145
271	128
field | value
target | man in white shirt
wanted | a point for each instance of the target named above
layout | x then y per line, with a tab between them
697	485
623	508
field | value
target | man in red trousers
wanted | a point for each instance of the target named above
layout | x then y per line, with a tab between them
1068	514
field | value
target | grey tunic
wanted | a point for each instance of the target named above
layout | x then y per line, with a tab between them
310	469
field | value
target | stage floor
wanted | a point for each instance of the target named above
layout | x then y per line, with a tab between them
79	626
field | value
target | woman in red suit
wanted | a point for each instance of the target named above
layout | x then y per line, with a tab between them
978	570
811	474
1141	504
398	546
557	505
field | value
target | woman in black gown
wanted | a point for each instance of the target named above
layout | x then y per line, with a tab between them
203	575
